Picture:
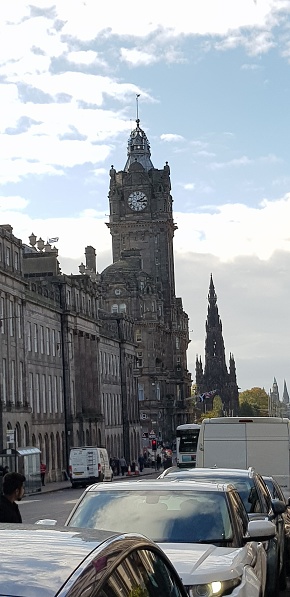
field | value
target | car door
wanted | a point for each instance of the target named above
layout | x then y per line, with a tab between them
240	524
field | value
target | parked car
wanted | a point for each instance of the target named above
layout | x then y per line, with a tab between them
257	501
202	527
45	562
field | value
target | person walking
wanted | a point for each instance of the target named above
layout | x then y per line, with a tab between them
158	461
13	490
141	463
42	473
123	465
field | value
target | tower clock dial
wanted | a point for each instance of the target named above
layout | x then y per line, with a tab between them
137	200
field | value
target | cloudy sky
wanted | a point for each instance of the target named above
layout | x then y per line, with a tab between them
214	85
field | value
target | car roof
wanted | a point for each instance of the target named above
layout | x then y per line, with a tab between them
38	561
214	471
173	484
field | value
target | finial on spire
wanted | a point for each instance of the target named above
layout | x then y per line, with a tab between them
137	108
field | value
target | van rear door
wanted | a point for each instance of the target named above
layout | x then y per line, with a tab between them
268	450
225	445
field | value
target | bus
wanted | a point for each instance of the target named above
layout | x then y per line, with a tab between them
186	444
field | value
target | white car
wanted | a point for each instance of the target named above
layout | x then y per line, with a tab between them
202	527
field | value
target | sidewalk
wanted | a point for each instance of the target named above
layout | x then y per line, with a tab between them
59	485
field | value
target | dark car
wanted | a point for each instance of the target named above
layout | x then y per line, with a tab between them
257	501
45	562
277	494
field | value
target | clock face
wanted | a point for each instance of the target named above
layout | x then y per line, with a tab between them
137	200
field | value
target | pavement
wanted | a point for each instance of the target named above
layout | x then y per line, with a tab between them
59	485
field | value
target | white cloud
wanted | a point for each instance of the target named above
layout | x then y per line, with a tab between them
189	186
87	57
136	57
12	202
245	161
171	137
236	230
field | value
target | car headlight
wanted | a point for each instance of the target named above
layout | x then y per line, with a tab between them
217	588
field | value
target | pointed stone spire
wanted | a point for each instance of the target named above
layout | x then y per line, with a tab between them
138	149
285	394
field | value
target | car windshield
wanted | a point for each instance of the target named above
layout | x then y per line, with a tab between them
244	485
164	516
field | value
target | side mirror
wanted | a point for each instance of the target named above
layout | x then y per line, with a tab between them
47	522
278	507
260	530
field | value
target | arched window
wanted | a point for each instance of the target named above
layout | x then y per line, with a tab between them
26	434
58	457
52	450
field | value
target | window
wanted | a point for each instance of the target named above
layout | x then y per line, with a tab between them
139	359
138	335
142	572
49	394
61	394
4	380
2	314
37	393
53	342
16	260
29	345
8	256
18	319
21	372
47	342
30	381
157	389
13	382
122	308
68	297
43	388
41	339
58	345
177	342
55	394
140	391
72	396
11	318
35	337
114	309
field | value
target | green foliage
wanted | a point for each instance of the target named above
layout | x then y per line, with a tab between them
254	403
217	410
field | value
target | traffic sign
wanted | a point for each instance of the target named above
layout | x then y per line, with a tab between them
152	435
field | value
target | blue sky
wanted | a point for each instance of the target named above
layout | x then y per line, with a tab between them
214	85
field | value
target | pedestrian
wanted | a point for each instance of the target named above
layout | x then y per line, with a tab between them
158	461
42	473
123	465
141	463
13	490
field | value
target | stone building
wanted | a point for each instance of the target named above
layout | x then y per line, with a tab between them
55	347
215	379
141	283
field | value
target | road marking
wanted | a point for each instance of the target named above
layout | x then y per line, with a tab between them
29	501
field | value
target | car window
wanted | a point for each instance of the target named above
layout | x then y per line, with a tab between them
172	516
240	514
142	573
265	497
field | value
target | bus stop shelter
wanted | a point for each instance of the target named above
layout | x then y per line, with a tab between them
25	461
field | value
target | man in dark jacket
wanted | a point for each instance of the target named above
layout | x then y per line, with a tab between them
13	490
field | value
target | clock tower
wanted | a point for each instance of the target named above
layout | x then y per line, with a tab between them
142	277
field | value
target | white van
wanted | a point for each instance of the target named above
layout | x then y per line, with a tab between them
241	442
89	465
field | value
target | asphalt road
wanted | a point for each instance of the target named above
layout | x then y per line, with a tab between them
58	505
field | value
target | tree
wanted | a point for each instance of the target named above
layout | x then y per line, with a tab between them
217	409
254	403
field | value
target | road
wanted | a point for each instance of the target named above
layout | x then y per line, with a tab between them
58	505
